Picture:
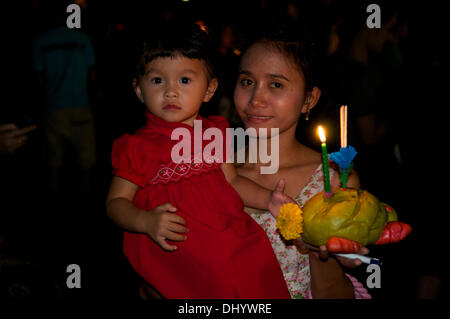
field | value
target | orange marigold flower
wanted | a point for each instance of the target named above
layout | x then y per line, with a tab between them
290	221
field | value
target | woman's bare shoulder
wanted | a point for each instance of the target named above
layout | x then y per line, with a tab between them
307	157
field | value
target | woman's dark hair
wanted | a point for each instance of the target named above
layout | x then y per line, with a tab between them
290	39
174	39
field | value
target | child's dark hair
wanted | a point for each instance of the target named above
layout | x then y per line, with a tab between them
290	39
174	39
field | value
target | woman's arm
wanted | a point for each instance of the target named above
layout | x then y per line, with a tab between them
328	279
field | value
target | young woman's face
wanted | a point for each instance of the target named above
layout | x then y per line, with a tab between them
269	92
174	88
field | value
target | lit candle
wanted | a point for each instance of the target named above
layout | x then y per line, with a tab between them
326	170
343	126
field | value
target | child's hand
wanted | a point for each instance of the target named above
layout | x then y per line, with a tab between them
162	223
278	198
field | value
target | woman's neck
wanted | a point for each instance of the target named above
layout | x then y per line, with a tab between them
285	144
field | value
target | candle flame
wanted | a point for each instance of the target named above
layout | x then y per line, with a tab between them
322	134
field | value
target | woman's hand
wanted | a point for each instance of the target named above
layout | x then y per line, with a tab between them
323	253
278	198
162	223
345	262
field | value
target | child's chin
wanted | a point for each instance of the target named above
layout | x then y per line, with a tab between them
173	117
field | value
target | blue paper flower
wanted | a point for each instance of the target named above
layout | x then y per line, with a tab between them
344	157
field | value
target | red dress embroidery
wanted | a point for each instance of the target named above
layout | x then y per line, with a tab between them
173	171
227	254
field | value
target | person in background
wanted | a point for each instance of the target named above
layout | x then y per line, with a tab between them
64	61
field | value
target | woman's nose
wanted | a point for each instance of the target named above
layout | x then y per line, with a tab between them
258	99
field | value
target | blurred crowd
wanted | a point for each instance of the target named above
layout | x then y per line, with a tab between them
54	179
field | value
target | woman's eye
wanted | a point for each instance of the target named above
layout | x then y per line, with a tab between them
276	85
185	80
246	82
156	80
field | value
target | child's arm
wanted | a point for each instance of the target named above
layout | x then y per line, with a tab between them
254	195
159	224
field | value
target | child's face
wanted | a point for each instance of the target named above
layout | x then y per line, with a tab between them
174	88
270	91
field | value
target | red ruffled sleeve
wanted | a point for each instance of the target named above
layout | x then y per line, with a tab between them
221	123
127	160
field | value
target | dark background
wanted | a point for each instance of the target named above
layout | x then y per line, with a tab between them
44	232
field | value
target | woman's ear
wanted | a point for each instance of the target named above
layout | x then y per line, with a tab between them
312	97
212	87
137	90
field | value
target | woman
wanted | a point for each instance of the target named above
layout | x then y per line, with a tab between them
273	89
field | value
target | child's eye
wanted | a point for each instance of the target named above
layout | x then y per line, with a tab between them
156	80
246	82
185	80
276	85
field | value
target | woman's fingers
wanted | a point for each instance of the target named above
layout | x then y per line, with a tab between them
303	247
363	251
323	253
349	263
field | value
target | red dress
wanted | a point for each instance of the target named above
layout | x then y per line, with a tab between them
226	254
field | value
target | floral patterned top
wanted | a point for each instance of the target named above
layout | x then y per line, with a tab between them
295	266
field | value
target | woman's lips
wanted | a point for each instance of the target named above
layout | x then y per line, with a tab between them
171	107
258	118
